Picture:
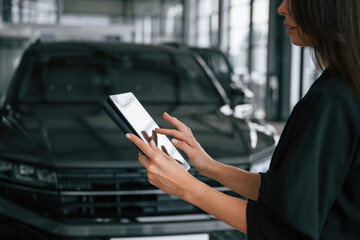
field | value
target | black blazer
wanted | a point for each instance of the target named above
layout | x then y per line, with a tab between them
312	189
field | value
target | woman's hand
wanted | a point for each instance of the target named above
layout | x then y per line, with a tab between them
167	174
185	141
163	171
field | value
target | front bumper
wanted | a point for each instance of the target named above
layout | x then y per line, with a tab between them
147	228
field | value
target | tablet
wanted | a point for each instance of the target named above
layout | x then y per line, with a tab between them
131	117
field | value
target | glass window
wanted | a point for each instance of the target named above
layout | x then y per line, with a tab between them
239	44
240	16
259	60
139	31
15	11
240	2
34	12
261	11
147	30
260	34
204	26
205	7
203	41
240	12
161	20
207	22
172	22
249	54
239	38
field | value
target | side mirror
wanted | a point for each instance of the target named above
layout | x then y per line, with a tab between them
237	96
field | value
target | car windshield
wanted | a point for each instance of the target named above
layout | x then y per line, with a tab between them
152	77
215	60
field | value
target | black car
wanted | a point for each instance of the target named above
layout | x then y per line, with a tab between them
68	172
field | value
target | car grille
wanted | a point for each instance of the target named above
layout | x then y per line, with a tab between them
103	195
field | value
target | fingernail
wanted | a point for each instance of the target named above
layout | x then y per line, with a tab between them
174	141
166	113
152	142
128	136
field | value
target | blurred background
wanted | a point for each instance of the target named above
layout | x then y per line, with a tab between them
248	32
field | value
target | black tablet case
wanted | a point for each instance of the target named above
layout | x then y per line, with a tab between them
116	116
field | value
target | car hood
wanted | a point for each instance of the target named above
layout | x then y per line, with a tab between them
82	135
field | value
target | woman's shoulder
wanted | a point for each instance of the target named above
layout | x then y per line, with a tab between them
329	88
331	92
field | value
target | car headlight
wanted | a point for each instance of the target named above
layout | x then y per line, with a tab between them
27	173
26	170
5	168
260	166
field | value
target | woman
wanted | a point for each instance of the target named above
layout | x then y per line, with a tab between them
311	190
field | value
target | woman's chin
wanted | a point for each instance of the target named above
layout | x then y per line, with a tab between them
298	42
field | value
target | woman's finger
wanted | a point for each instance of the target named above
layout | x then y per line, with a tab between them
160	152
157	150
177	123
178	135
183	147
145	148
144	160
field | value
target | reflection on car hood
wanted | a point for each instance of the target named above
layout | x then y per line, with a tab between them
78	135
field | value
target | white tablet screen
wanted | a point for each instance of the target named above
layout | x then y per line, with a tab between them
143	124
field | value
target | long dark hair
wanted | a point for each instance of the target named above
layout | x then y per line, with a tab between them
332	27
